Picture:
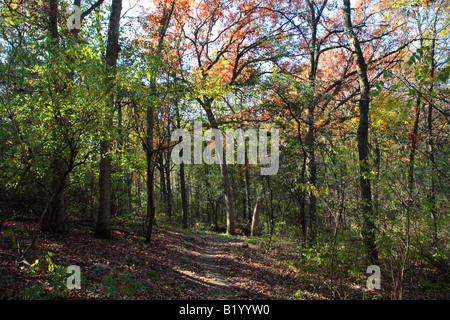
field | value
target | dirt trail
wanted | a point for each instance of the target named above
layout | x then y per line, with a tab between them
216	278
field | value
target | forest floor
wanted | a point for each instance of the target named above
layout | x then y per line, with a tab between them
179	264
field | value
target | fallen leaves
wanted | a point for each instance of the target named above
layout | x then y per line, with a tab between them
177	265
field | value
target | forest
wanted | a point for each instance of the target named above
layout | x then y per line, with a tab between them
224	149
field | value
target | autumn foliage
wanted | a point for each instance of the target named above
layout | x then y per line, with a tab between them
357	89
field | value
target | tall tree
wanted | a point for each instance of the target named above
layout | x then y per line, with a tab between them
362	135
54	220
103	225
163	19
315	15
184	200
225	42
306	88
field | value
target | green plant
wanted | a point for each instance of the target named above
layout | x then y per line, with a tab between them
377	297
50	282
121	286
299	295
284	230
266	243
10	236
36	291
314	254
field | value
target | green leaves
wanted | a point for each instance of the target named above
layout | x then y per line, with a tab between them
50	283
119	286
51	265
421	62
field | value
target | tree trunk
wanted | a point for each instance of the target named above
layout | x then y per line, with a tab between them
169	190
150	182
247	188
184	203
148	145
412	152
256	211
168	183
150	155
314	53
311	173
368	230
54	220
432	190
103	225
53	22
162	182
228	195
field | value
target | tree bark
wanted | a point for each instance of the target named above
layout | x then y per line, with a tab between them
311	168
103	225
431	152
412	152
184	203
247	187
162	181
369	229
150	179
56	207
167	169
255	217
54	221
150	155
148	145
228	195
53	22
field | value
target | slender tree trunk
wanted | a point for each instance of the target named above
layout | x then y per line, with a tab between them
315	15
184	203
162	182
432	190
409	203
150	180
368	231
150	154
168	184
168	188
412	152
311	173
103	225
228	195
256	212
148	145
301	195
56	206
244	199
247	187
